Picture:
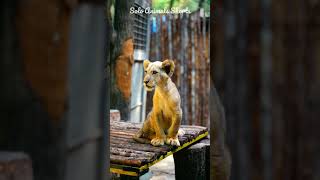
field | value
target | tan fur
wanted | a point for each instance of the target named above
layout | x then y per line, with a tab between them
163	122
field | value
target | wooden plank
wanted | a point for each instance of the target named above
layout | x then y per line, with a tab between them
132	161
130	134
125	125
185	145
142	147
133	153
120	136
120	140
115	115
130	152
133	127
127	152
128	139
15	166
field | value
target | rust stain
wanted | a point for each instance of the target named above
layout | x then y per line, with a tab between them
123	68
43	27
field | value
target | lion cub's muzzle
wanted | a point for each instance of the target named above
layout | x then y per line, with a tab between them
148	86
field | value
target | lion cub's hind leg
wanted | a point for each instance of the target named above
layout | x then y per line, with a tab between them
145	133
139	137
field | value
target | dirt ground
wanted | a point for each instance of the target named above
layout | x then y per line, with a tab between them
163	170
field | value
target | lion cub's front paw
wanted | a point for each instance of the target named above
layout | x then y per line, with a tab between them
173	141
157	142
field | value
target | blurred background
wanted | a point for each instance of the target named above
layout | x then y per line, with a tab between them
265	63
182	37
185	38
53	90
266	68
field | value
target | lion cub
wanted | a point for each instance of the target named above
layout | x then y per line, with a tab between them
163	122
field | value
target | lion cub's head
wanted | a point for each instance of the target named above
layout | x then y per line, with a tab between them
157	73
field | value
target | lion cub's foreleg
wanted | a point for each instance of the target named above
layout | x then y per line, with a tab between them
172	137
160	136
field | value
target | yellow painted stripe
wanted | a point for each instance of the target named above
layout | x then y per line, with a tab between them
121	171
146	166
174	151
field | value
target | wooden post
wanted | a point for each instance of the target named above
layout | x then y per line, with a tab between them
158	38
197	67
193	162
121	58
33	75
170	17
266	91
184	67
115	115
193	72
220	155
15	166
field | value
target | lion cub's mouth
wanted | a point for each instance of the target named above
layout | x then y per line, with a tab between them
148	88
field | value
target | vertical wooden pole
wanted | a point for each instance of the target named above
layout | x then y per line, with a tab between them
169	29
193	71
158	39
209	72
265	91
121	54
184	65
201	67
242	98
203	30
230	85
198	67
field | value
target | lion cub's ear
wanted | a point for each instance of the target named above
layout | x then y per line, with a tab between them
168	67
146	64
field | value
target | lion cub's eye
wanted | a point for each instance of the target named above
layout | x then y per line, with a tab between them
154	72
145	72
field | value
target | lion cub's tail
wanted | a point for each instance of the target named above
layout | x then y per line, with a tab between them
141	140
137	137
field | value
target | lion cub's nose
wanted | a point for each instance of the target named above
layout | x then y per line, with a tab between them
146	81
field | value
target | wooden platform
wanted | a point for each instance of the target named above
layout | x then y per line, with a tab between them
131	158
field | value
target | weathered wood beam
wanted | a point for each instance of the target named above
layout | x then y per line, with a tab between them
193	162
15	166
